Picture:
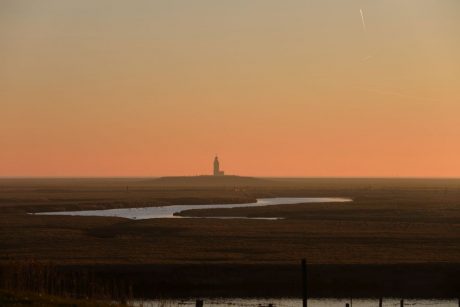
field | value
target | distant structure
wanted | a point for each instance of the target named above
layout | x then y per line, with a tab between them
217	171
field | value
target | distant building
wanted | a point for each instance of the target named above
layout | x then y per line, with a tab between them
217	171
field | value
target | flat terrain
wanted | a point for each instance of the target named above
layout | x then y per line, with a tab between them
390	222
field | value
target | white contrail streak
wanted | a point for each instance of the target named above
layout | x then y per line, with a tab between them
367	58
362	19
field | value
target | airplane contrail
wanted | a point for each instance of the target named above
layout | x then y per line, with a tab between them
367	58
395	93
362	19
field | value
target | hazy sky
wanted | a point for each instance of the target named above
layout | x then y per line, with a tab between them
275	87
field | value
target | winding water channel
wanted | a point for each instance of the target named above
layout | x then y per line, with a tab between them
172	211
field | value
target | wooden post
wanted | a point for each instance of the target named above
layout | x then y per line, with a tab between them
347	305
304	282
199	303
402	303
380	302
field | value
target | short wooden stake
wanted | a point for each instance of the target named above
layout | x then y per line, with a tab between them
402	303
304	282
199	303
380	302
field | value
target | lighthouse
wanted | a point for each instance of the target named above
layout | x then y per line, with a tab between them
217	171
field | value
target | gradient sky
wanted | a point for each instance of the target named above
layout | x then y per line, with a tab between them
275	87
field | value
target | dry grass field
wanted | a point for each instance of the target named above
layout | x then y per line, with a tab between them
31	299
399	222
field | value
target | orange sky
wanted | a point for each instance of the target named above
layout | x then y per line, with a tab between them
276	88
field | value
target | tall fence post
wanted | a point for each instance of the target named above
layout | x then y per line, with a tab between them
304	282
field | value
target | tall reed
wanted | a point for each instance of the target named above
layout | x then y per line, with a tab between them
47	278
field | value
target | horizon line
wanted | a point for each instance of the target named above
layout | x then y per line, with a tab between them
268	177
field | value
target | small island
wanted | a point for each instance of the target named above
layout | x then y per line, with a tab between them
218	179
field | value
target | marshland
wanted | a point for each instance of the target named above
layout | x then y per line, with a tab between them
396	238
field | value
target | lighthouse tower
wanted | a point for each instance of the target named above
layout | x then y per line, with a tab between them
217	171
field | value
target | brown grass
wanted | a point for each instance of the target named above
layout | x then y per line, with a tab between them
44	278
22	299
388	222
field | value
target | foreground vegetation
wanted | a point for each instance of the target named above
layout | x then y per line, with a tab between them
17	299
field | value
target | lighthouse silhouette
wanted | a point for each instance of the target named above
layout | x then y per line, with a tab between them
217	171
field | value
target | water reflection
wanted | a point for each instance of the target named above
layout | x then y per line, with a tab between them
297	302
170	211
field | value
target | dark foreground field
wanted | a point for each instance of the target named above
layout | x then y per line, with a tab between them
397	238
